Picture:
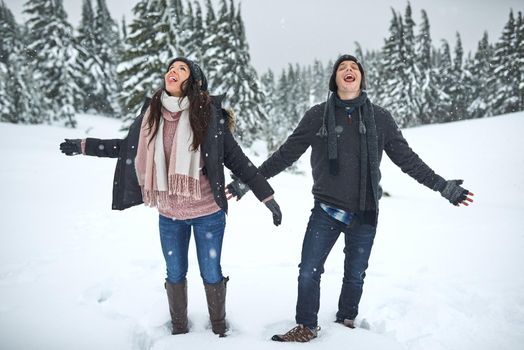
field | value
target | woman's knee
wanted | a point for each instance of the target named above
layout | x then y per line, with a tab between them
211	271
176	275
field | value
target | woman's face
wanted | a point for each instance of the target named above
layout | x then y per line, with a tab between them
177	74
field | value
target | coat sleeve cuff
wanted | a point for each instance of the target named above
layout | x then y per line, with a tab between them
260	187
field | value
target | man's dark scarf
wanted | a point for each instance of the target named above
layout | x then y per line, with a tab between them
362	107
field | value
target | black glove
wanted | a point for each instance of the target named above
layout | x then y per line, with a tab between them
453	192
71	147
237	188
272	205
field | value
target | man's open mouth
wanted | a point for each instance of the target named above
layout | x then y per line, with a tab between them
349	78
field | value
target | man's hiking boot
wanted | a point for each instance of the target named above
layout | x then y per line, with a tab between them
300	334
346	322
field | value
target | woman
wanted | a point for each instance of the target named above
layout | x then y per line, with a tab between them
173	158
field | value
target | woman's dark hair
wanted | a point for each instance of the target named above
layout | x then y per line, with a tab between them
195	89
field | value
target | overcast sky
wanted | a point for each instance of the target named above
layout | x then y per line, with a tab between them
282	31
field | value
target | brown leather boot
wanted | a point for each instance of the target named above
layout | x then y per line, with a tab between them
177	298
216	304
299	333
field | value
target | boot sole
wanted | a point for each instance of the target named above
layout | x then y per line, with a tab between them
279	338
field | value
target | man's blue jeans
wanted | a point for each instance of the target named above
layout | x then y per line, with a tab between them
209	233
321	234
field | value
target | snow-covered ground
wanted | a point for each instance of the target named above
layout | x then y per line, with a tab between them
76	275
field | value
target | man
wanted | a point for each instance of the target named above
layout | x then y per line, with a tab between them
347	135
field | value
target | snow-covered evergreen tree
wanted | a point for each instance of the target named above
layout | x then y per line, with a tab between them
123	29
427	97
87	78
394	95
445	83
268	85
217	45
209	42
374	83
185	27
148	49
228	64
426	74
461	86
244	93
481	69
52	50
319	82
283	102
519	63
8	37
107	44
198	33
19	97
9	33
410	74
506	75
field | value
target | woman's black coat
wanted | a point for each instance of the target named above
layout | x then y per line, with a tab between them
218	149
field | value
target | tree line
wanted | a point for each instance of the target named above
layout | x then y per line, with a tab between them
51	71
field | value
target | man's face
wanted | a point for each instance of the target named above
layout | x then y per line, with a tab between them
348	77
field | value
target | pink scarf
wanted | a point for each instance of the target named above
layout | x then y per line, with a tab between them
180	176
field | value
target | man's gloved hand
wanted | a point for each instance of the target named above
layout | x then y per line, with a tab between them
236	188
455	193
71	147
272	205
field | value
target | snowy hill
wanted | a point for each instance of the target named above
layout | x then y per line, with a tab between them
76	275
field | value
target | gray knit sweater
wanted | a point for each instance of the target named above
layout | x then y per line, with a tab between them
342	190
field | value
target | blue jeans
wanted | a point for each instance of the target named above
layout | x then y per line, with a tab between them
174	238
321	234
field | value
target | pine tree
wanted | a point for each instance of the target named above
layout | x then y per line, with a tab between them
87	57
185	26
244	89
426	75
199	33
19	98
374	83
230	72
9	33
107	43
283	103
460	89
505	78
219	55
519	62
209	42
320	82
445	84
8	37
124	29
268	85
480	69
53	51
411	77
148	49
393	66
